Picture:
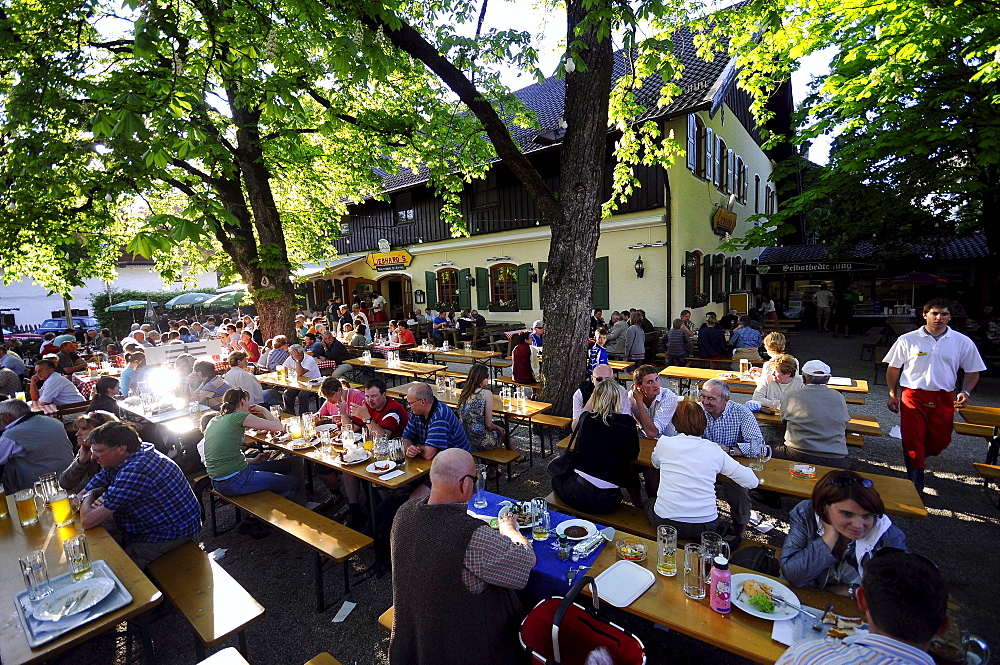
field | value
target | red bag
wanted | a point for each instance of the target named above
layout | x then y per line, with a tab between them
558	631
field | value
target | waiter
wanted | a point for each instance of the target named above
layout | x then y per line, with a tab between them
922	372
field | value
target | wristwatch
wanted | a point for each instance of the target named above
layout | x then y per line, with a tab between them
965	392
852	590
368	422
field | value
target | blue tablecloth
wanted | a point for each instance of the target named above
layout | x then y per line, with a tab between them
548	578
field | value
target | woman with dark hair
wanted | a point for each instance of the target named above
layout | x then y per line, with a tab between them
132	375
836	532
475	410
635	338
84	466
104	400
689	465
607	443
521	370
231	472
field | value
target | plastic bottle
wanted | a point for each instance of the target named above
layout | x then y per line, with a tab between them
720	583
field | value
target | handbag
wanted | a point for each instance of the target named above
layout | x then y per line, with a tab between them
757	558
566	462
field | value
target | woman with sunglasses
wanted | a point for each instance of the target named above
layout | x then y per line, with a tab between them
836	532
231	472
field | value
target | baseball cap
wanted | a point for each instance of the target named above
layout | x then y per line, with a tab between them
816	368
538	324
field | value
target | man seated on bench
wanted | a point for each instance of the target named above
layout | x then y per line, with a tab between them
452	571
31	444
581	398
815	419
152	502
432	427
49	387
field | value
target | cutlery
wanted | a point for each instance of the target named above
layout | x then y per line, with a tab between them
818	626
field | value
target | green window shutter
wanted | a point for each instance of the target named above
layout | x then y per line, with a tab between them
727	279
523	287
706	276
432	289
602	284
464	291
482	289
689	286
542	265
692	144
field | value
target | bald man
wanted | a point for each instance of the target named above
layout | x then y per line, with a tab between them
581	398
452	571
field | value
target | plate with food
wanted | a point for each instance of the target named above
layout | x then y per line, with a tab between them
301	444
326	427
355	456
384	466
839	627
73	599
763	597
523	511
576	529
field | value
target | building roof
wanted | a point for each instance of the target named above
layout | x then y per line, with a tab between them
701	82
945	249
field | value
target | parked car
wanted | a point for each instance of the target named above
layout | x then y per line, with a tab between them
58	325
29	341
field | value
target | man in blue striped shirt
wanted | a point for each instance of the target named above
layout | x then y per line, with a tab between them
905	600
433	427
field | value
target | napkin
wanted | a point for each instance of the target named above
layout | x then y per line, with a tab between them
392	474
40	628
796	629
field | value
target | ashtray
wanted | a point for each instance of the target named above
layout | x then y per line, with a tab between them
802	470
630	549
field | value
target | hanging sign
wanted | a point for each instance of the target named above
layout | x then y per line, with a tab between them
383	261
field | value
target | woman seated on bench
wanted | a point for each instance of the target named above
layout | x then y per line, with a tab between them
607	443
688	467
475	411
835	533
231	472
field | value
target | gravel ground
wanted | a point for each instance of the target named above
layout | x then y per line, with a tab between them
960	534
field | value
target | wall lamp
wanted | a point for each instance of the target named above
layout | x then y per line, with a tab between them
639	268
532	275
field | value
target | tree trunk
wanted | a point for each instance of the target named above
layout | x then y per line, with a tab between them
569	279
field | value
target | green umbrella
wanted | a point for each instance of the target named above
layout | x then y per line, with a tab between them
231	299
129	304
187	300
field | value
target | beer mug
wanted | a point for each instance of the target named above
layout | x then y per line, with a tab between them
540	520
694	571
666	550
36	575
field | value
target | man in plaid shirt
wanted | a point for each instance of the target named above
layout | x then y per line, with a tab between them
145	492
735	429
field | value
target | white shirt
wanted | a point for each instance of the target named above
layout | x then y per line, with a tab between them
238	377
378	304
308	364
688	466
823	298
661	411
930	364
579	402
57	389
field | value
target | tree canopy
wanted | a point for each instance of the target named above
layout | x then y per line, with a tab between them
911	100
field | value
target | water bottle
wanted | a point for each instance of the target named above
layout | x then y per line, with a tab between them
720	583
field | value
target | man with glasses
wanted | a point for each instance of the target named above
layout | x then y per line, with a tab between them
905	601
49	387
432	427
450	570
146	492
581	398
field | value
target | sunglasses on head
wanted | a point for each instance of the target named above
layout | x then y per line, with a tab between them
847	482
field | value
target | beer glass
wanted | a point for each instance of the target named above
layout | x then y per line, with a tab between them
714	545
666	550
758	461
36	573
27	512
78	557
62	511
481	471
540	520
694	571
3	502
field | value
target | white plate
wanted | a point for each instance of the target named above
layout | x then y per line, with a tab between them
371	467
301	445
368	455
524	505
623	582
777	589
324	427
90	592
589	526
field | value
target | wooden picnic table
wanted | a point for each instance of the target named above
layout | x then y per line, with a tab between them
16	540
382	365
532	408
898	494
865	425
699	374
271	378
980	415
665	604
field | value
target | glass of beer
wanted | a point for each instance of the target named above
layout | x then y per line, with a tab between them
666	550
541	523
3	503
78	557
26	511
295	428
62	511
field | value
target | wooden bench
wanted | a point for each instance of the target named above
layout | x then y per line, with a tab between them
210	600
625	517
385	620
511	382
855	440
459	377
496	457
328	539
990	474
549	425
988	432
323	659
873	338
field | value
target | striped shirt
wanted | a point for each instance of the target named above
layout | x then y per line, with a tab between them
441	430
735	427
869	650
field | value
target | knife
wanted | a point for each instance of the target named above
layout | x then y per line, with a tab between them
76	601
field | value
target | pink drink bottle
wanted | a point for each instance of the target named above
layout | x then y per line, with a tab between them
720	583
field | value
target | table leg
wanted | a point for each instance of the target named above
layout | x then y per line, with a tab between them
142	623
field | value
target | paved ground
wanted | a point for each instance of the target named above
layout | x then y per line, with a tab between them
961	535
